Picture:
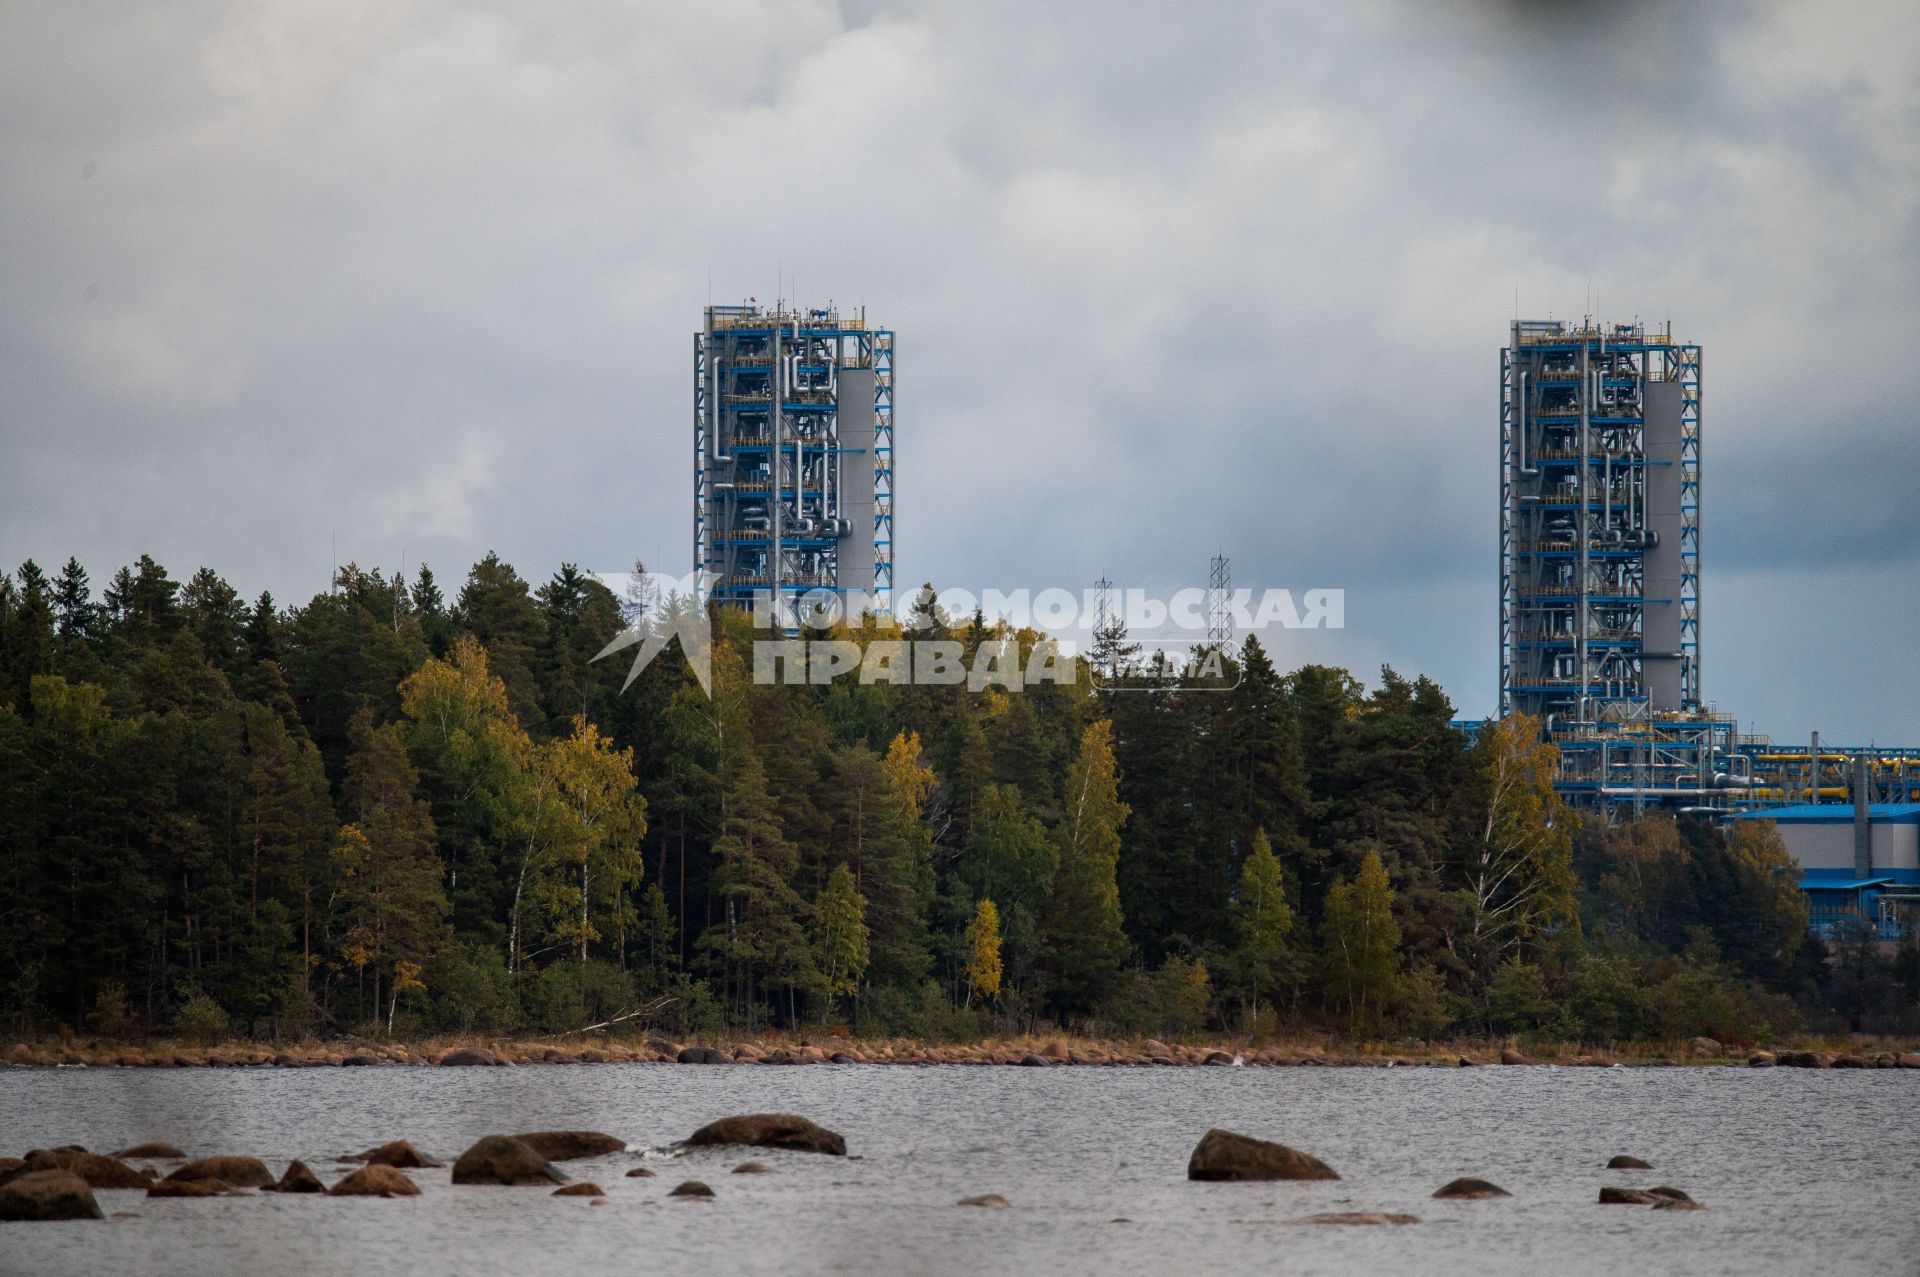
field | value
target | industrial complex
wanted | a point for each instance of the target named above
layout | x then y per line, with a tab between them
1599	625
793	457
1600	553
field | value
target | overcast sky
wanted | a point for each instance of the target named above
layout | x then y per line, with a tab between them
1167	279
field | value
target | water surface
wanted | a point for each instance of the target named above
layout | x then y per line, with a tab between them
1803	1171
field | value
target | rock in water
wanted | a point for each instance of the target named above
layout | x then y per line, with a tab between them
1611	1196
692	1188
502	1159
1227	1155
298	1179
1469	1190
375	1181
770	1130
98	1171
45	1195
239	1172
639	1172
1676	1203
582	1189
752	1168
473	1055
1032	1061
155	1150
1761	1060
396	1153
992	1201
1671	1194
700	1055
1626	1163
189	1188
1217	1058
1510	1056
564	1146
1356	1217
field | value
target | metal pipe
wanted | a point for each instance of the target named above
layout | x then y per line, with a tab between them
1520	433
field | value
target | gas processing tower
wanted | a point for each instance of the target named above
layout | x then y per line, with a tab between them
793	458
1599	524
1600	504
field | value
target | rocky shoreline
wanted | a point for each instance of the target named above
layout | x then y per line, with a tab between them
1036	1052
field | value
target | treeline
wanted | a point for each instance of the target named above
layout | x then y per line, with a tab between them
385	809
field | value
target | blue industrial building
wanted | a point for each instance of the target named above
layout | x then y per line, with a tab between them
1859	862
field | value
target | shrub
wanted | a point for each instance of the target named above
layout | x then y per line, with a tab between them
111	1012
200	1018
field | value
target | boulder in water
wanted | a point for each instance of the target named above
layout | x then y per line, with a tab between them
97	1170
1508	1055
1469	1190
1228	1155
502	1159
700	1055
375	1180
298	1179
1671	1194
470	1055
582	1189
992	1201
1611	1196
1626	1163
692	1188
1355	1217
239	1172
396	1153
564	1146
1677	1203
1762	1060
189	1188
752	1168
639	1172
155	1150
770	1130
47	1195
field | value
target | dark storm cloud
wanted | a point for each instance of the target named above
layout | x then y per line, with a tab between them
423	280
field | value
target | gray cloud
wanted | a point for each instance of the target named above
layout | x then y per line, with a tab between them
424	280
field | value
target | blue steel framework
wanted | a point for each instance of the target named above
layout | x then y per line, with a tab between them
1599	618
786	499
1599	552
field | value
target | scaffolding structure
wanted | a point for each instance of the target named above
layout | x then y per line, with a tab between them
793	459
1599	549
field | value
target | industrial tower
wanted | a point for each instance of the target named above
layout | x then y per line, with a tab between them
793	457
1599	524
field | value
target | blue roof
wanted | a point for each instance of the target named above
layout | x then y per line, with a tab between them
1841	884
1899	813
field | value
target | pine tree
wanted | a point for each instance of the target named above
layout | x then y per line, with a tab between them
897	874
1360	944
394	905
1262	922
73	603
1084	942
759	944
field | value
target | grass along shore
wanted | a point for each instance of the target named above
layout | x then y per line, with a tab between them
1832	1051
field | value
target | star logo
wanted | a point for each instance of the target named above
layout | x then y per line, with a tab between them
659	608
